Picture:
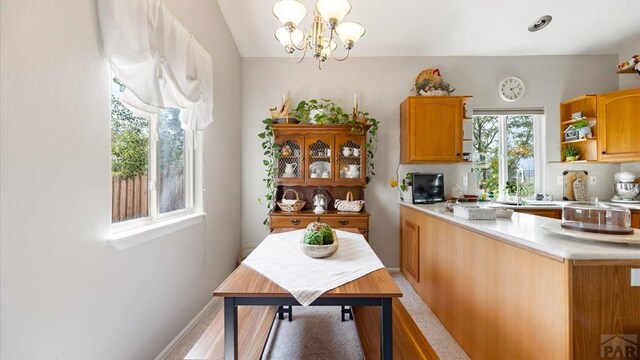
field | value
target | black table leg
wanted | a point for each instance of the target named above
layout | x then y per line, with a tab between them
386	330
230	329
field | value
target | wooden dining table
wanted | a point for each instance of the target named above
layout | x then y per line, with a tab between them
247	287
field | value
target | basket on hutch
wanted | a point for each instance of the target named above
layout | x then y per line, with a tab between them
290	205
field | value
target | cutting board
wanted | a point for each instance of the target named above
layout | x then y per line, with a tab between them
569	178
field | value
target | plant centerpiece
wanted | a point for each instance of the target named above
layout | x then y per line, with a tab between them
571	152
317	112
319	240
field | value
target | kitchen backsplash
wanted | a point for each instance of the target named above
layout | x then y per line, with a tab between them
604	173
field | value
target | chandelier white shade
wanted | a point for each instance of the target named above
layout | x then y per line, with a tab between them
327	13
350	32
333	11
289	12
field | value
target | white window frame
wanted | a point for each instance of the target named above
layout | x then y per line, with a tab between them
539	152
156	224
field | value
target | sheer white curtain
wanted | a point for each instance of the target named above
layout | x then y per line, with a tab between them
158	60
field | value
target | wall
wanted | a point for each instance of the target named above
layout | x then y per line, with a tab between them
67	293
382	84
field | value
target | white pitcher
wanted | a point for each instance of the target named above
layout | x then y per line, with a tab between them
354	170
290	168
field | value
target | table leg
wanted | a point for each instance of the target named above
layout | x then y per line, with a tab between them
230	329
386	330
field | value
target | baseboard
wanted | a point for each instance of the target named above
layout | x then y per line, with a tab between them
393	270
184	331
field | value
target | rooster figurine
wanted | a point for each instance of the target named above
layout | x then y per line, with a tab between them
429	82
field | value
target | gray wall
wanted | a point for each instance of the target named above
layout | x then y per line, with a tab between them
67	293
382	84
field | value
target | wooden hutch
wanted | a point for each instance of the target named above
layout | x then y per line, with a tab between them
330	159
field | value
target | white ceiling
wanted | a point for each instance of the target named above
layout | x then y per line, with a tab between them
456	27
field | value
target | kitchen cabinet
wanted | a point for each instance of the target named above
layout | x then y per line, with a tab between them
410	250
635	219
619	130
326	158
431	129
550	213
503	300
587	105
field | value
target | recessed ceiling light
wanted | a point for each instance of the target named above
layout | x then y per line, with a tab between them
540	23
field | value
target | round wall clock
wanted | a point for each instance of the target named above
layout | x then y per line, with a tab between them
511	89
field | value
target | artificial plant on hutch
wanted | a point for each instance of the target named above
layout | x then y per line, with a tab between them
318	112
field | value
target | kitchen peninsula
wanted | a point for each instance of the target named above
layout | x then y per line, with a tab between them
507	289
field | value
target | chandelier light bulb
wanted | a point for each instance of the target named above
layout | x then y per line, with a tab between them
350	32
289	12
333	11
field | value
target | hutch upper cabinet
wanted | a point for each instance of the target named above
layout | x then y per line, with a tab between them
431	129
322	155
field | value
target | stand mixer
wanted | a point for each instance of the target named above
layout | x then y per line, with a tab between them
625	187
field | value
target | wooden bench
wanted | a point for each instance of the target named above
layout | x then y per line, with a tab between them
408	341
254	326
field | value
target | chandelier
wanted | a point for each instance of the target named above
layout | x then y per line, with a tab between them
326	12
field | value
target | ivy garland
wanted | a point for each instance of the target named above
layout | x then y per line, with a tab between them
324	112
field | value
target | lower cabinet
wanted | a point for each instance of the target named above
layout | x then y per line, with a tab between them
550	213
635	219
335	219
502	301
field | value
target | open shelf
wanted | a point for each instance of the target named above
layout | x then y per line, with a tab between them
572	121
578	141
627	70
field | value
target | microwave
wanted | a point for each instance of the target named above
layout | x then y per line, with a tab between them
428	188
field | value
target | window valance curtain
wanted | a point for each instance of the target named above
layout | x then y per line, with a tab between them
158	60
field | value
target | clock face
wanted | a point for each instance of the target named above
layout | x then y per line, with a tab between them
511	89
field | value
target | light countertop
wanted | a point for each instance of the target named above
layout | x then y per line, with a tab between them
526	230
548	205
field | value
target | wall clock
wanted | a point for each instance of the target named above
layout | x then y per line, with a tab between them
511	89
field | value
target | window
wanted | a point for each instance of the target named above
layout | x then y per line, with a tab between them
503	143
152	165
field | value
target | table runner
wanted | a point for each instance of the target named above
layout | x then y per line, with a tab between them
280	259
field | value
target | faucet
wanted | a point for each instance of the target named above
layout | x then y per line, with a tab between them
520	179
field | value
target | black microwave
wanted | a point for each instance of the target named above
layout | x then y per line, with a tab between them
428	188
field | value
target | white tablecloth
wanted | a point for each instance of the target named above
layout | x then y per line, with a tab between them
280	259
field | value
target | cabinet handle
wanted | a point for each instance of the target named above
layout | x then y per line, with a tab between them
295	222
604	153
343	222
458	154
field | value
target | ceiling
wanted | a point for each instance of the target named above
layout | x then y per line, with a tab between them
456	27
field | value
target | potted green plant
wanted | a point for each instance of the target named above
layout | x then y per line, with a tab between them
571	152
583	126
405	185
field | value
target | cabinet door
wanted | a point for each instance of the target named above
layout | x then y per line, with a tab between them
291	168
635	220
318	153
350	166
410	265
619	126
432	130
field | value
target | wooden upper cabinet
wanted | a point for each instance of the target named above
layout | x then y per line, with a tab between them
431	129
619	126
321	155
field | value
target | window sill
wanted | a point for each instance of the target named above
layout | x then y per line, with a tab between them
129	238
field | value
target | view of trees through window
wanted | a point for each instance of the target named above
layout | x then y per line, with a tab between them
514	145
130	160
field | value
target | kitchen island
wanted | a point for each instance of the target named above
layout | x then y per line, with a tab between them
507	289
